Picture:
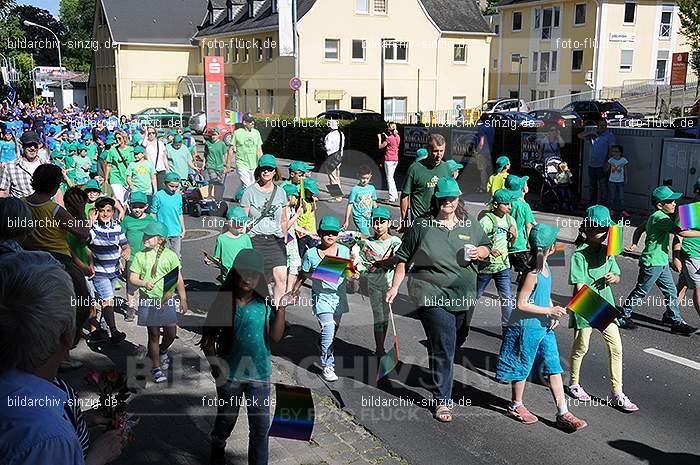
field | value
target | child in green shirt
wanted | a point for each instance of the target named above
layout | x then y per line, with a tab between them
230	242
82	166
686	261
140	174
524	221
653	262
498	179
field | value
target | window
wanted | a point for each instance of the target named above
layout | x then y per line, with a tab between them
666	18
380	7
497	28
512	94
274	9
547	17
332	105
555	56
258	102
332	51
458	103
234	51
630	12
226	53
362	6
533	94
626	59
517	21
217	51
246	53
495	63
357	103
229	13
270	50
396	51
460	53
544	67
580	14
271	101
577	60
538	18
153	90
394	106
251	9
358	50
557	15
206	50
258	50
535	56
514	63
543	94
661	65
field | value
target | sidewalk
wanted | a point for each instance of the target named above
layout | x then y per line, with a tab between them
174	424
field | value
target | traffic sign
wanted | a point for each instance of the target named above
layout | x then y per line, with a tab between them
295	83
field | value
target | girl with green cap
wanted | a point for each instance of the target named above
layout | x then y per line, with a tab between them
529	335
150	271
591	266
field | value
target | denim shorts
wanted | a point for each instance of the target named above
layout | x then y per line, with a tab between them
104	287
154	312
524	343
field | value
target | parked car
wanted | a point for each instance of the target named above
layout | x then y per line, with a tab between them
505	104
159	116
510	120
686	127
561	118
593	111
352	115
198	122
694	109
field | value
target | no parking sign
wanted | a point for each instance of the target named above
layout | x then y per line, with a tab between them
295	83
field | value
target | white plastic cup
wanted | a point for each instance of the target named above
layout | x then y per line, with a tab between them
468	249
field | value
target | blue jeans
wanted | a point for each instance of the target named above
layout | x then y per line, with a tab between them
617	195
256	395
330	322
662	277
504	288
597	178
446	332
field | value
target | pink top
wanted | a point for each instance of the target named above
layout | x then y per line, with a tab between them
392	148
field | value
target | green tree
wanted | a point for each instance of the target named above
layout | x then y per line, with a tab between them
689	11
77	18
490	7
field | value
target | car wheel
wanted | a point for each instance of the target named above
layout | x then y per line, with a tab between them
196	211
223	208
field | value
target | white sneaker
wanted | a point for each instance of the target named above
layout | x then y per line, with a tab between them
329	374
164	361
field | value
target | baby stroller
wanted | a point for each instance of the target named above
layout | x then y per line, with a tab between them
549	195
194	204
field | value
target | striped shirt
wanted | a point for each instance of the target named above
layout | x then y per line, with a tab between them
75	414
106	241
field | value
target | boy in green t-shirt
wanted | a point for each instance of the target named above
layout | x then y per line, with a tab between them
500	228
524	221
133	226
140	175
230	242
82	166
653	262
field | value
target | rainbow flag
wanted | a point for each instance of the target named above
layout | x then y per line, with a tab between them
170	280
589	305
236	117
558	258
294	413
331	269
689	215
614	240
389	360
290	237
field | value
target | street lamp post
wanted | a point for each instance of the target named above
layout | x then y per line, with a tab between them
58	43
520	73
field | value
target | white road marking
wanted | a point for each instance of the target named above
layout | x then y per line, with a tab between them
674	358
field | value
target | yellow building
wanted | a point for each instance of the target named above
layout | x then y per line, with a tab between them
558	48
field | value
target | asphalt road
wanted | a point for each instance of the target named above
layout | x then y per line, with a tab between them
664	431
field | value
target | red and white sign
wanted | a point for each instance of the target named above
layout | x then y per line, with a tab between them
214	90
295	83
679	69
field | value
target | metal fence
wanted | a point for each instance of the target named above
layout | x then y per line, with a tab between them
437	117
560	101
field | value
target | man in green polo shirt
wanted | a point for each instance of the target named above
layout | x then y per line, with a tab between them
216	163
247	146
421	178
179	158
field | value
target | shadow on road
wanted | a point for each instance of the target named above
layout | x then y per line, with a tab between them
654	456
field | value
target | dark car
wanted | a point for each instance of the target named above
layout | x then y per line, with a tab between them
694	109
686	127
510	120
593	111
561	118
352	115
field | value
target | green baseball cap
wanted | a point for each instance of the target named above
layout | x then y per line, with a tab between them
155	228
311	186
82	147
239	194
300	166
516	183
57	154
663	194
177	139
502	162
87	137
291	189
172	177
237	214
250	260
138	197
502	196
454	166
543	236
139	149
267	161
172	132
109	140
381	213
161	131
447	187
329	223
598	216
92	185
421	154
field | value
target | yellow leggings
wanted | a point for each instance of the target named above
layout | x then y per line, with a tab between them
613	344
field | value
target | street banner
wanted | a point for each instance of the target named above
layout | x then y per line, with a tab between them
414	138
679	69
214	87
286	28
464	144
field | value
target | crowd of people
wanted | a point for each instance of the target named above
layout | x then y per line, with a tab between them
91	200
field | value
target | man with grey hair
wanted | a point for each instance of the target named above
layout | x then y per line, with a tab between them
37	328
334	144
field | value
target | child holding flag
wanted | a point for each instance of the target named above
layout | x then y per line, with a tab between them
653	262
294	210
370	262
591	266
230	242
529	335
329	300
686	261
156	272
306	223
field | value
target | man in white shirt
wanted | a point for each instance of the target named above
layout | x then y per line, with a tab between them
156	154
334	144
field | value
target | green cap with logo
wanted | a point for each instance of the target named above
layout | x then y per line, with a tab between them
598	216
503	196
249	260
543	236
300	166
172	132
139	149
454	166
515	183
267	161
155	228
177	139
172	177
447	187
92	185
502	162
291	189
311	186
138	197
381	213
421	154
664	194
237	214
329	223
